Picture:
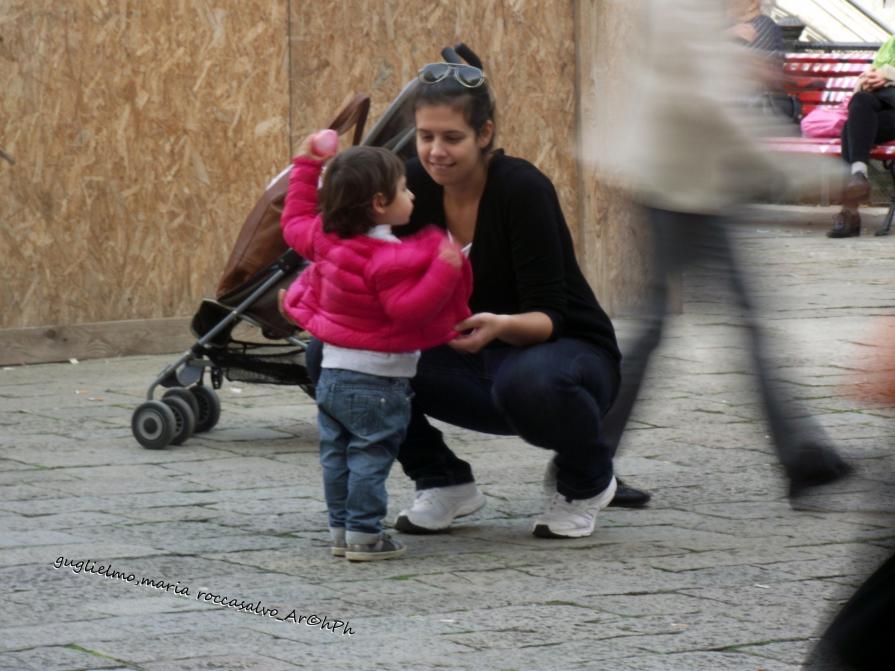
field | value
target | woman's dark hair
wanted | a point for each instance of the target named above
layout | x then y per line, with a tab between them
350	182
476	104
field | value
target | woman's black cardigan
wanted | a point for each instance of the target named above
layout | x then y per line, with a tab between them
522	255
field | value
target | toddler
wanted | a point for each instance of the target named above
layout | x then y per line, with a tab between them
375	301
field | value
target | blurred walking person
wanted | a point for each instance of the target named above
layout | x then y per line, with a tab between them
688	157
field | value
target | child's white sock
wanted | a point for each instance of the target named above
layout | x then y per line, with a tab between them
859	167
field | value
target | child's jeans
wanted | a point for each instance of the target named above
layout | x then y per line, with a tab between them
363	421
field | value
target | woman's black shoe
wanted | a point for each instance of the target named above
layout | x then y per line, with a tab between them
846	225
625	496
629	497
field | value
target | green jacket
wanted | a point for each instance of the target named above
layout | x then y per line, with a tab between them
886	54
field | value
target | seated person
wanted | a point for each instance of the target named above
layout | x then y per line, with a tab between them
871	120
764	39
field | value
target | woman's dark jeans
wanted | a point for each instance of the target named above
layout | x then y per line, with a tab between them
553	395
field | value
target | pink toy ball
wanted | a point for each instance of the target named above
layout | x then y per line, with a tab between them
325	142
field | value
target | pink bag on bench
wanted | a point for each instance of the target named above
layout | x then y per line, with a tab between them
825	120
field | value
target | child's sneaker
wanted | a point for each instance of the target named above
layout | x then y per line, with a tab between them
337	543
384	548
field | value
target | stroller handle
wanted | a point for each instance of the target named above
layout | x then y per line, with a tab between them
353	114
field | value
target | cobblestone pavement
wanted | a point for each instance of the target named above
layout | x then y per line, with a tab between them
719	573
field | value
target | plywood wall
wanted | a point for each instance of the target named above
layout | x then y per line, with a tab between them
141	132
527	47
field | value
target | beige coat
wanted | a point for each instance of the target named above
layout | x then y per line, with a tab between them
689	143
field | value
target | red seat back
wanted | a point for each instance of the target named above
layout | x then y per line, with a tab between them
823	78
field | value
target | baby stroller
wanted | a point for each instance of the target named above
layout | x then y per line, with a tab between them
259	266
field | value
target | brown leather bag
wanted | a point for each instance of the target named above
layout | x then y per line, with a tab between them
260	241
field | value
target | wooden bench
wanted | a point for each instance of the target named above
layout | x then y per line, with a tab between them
829	78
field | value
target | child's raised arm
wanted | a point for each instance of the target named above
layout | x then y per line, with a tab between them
299	221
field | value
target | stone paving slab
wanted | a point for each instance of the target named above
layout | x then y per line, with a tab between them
720	572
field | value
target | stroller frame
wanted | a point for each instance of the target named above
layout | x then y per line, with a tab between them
189	406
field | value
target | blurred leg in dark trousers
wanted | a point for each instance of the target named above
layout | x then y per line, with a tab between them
683	241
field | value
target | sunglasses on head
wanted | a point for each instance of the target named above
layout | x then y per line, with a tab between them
469	76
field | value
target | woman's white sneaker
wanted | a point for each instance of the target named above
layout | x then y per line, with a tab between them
572	519
434	509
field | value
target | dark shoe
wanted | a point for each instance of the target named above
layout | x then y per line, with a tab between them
813	466
629	497
625	496
846	225
384	548
857	189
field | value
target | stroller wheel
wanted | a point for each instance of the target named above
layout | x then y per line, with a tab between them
153	424
180	392
209	408
184	419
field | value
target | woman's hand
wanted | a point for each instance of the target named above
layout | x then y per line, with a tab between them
527	328
871	80
482	328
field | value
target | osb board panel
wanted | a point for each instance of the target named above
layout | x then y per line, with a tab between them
613	243
142	134
94	341
377	46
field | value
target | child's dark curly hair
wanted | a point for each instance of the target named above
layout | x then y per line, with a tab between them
350	182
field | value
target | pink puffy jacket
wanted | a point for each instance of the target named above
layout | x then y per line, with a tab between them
366	293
